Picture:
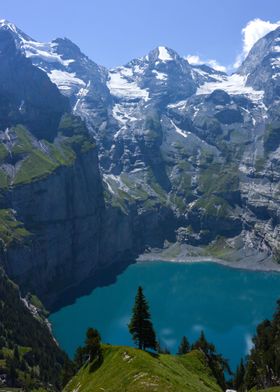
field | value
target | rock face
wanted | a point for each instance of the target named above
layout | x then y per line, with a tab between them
262	66
27	96
64	210
57	225
182	151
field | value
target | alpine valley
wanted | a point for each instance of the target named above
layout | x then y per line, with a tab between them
98	166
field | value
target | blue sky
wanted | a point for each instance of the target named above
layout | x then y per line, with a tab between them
112	32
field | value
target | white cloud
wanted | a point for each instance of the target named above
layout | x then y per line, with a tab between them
196	60
251	33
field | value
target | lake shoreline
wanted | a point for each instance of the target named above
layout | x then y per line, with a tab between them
262	266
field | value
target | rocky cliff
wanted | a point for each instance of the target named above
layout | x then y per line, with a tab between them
174	152
58	224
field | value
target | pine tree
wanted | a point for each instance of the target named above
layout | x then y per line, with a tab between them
93	346
203	345
80	357
16	354
239	377
263	364
140	325
217	363
184	347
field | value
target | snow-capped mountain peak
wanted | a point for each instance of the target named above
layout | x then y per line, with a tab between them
11	26
18	34
164	54
39	51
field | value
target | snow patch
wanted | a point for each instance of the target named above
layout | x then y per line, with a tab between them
118	114
178	105
163	54
185	134
81	94
234	84
122	87
139	70
114	183
160	75
65	81
276	49
126	71
123	113
44	51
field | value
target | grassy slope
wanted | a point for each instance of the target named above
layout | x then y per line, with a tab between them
10	228
127	369
33	159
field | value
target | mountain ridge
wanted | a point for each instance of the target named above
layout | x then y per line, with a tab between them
175	143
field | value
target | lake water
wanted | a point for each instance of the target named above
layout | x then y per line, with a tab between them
184	299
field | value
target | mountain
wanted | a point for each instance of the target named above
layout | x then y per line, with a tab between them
184	157
98	166
125	368
56	227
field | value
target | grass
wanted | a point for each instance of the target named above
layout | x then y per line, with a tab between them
3	152
218	179
4	180
219	248
10	228
36	163
214	206
35	159
130	370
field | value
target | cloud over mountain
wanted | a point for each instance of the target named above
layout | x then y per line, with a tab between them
251	33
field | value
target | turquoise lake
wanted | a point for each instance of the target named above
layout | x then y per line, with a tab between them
184	299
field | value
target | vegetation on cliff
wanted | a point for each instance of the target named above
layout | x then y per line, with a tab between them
29	356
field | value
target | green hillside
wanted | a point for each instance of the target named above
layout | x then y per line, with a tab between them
127	369
29	357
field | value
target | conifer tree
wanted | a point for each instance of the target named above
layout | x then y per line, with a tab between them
239	377
80	357
263	364
184	347
140	325
93	346
217	363
16	354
